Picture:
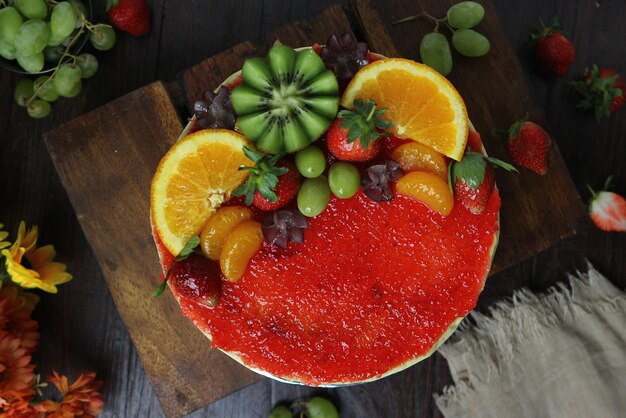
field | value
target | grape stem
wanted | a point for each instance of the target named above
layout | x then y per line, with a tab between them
423	14
3	4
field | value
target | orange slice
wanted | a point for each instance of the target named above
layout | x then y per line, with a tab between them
421	103
192	180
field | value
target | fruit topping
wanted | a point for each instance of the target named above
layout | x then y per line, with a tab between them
353	136
311	161
214	110
429	189
554	52
197	279
473	179
607	209
377	180
465	15
470	43
344	179
192	180
272	182
603	90
313	196
414	156
241	244
286	100
422	104
344	55
529	146
284	226
218	227
435	52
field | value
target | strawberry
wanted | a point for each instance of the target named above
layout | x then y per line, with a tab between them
603	90
554	53
197	278
272	183
131	16
473	179
353	136
529	146
607	210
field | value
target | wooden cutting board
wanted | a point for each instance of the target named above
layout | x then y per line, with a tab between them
106	159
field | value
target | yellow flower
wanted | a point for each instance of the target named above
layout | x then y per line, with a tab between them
40	272
3	235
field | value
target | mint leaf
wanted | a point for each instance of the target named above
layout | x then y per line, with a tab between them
470	170
188	248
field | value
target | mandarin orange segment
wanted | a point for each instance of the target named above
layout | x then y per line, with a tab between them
421	103
219	225
429	189
414	156
192	180
239	247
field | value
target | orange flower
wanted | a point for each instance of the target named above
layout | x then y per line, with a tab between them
16	307
16	372
43	273
81	398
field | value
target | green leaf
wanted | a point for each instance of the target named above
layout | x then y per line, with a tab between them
188	248
364	122
502	164
470	170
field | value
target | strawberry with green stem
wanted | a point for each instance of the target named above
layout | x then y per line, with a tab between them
554	52
354	135
603	90
187	250
607	210
272	182
473	180
529	146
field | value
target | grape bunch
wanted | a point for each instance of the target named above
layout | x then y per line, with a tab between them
460	19
36	32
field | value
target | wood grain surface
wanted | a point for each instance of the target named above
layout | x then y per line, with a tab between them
81	328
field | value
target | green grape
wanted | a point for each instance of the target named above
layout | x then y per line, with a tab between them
38	109
81	10
465	15
344	179
63	19
310	162
31	63
23	91
45	89
102	38
53	53
75	90
435	52
470	43
313	196
10	22
32	37
66	78
7	50
319	407
280	412
53	39
32	9
88	65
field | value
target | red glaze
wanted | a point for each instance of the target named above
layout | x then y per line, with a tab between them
474	142
373	286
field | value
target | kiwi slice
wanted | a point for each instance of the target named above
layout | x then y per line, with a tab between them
287	99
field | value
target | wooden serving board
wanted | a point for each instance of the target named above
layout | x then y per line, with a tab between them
106	159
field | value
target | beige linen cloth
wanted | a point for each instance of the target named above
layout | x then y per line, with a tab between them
562	354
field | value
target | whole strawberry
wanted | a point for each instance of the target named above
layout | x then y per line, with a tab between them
554	53
131	16
272	182
603	90
474	179
607	210
354	136
529	146
198	279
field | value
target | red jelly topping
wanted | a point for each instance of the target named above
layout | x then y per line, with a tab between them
373	286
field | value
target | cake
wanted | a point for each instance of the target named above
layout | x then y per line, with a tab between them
366	286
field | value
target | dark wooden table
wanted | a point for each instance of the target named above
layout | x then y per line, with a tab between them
80	327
